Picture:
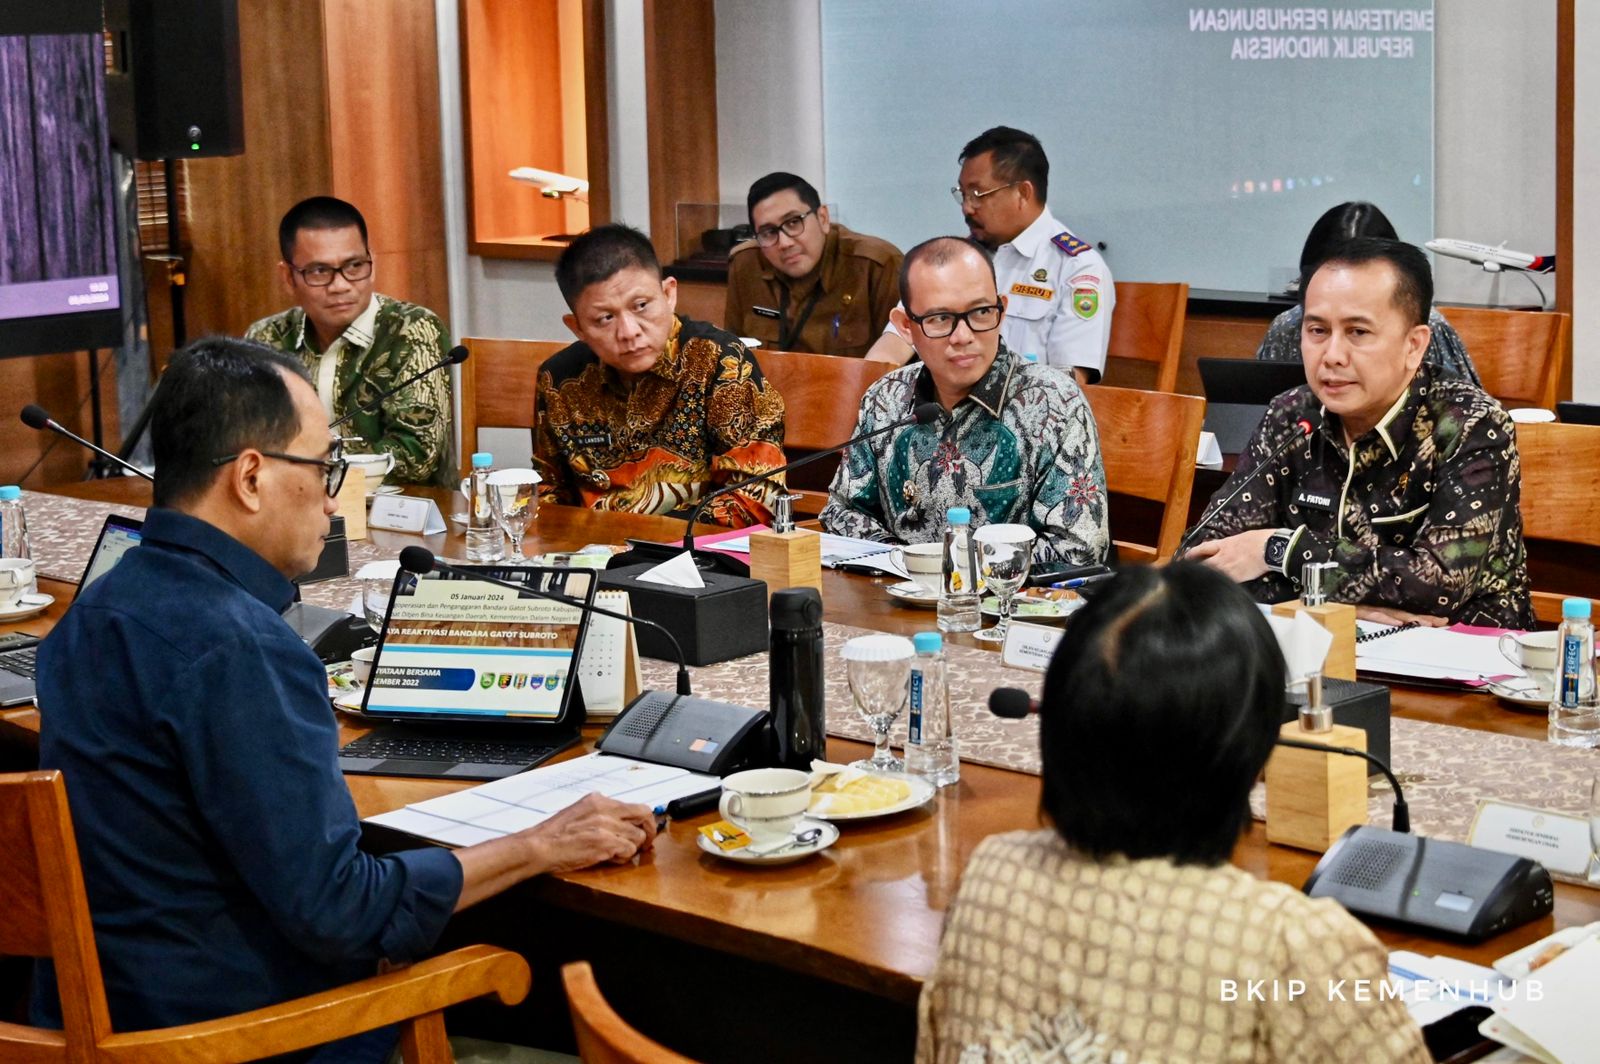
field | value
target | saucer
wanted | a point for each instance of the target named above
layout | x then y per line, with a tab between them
384	489
26	606
920	792
913	594
1039	604
829	836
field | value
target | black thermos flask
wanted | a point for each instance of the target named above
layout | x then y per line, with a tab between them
799	722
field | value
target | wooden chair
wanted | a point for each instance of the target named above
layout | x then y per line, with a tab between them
1147	326
1148	441
603	1036
1560	467
1519	354
47	915
498	384
821	400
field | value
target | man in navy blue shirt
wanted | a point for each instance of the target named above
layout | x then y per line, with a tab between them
218	839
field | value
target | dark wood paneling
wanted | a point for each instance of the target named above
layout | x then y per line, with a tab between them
236	202
680	48
60	384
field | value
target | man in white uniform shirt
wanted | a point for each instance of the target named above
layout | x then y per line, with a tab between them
1058	290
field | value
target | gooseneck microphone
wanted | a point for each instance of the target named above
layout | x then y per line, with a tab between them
1306	429
420	560
922	414
457	355
36	417
1011	702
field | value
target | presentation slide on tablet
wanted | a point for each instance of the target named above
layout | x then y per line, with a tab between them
455	648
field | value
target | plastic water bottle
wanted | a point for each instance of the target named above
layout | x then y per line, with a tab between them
485	541
930	740
1575	710
14	529
958	594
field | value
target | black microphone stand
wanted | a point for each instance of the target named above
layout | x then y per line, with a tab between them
456	355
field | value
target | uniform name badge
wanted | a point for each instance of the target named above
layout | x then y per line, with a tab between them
401	513
1033	291
1317	493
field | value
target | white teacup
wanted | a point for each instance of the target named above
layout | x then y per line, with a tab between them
765	803
1534	653
16	577
372	466
361	664
925	563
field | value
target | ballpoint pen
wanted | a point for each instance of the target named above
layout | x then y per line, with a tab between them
1080	581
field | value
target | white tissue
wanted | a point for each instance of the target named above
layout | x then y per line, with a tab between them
679	571
1304	642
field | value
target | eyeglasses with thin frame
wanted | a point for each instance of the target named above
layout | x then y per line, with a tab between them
791	227
963	196
942	323
318	275
334	467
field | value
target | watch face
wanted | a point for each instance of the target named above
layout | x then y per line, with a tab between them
1277	547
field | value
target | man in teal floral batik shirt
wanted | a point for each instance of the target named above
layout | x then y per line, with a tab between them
1018	442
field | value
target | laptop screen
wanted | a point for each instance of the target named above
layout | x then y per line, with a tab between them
455	648
117	536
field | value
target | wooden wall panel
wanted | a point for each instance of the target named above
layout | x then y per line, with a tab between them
680	48
383	128
236	202
59	383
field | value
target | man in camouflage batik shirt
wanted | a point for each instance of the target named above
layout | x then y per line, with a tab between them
1409	479
357	344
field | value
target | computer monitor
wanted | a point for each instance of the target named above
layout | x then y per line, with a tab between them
59	289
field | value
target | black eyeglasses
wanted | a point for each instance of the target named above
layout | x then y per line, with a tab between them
767	235
942	323
334	467
319	276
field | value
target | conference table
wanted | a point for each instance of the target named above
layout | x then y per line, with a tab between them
845	938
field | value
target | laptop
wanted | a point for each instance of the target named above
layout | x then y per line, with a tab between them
19	662
471	680
1237	393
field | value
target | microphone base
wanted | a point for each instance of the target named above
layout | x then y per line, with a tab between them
724	620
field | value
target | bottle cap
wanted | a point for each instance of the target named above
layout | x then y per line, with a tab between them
958	515
928	642
9	492
1572	607
796	609
482	460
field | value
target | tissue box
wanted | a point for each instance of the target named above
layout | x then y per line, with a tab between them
1356	704
334	564
726	619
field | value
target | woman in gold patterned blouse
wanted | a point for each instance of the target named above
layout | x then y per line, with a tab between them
1122	933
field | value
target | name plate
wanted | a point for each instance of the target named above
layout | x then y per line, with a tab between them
1559	841
402	513
1029	646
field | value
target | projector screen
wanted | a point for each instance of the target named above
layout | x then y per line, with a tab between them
1195	144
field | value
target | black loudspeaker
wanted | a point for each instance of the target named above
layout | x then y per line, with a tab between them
174	88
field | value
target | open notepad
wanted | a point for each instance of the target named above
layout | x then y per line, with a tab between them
510	805
1457	654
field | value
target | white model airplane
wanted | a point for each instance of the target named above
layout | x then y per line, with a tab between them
1493	259
552	185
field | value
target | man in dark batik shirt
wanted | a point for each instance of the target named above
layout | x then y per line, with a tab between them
1410	480
650	412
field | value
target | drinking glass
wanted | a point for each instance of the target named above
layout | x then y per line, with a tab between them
375	601
879	670
1005	554
514	499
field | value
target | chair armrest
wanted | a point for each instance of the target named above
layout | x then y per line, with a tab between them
25	1045
424	987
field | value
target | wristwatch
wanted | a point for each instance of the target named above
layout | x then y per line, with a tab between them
1277	549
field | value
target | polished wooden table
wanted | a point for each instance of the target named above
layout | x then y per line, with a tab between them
865	916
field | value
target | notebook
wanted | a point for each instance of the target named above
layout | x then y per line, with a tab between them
1237	393
117	536
472	680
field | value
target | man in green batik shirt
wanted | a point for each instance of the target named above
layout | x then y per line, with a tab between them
357	344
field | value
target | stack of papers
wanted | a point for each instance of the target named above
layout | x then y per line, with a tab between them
1555	1023
513	804
837	552
1431	654
1435	987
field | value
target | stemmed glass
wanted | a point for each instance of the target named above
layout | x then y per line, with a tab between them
1005	554
514	499
879	669
1594	831
375	601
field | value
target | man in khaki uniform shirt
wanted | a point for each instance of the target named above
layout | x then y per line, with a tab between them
804	284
